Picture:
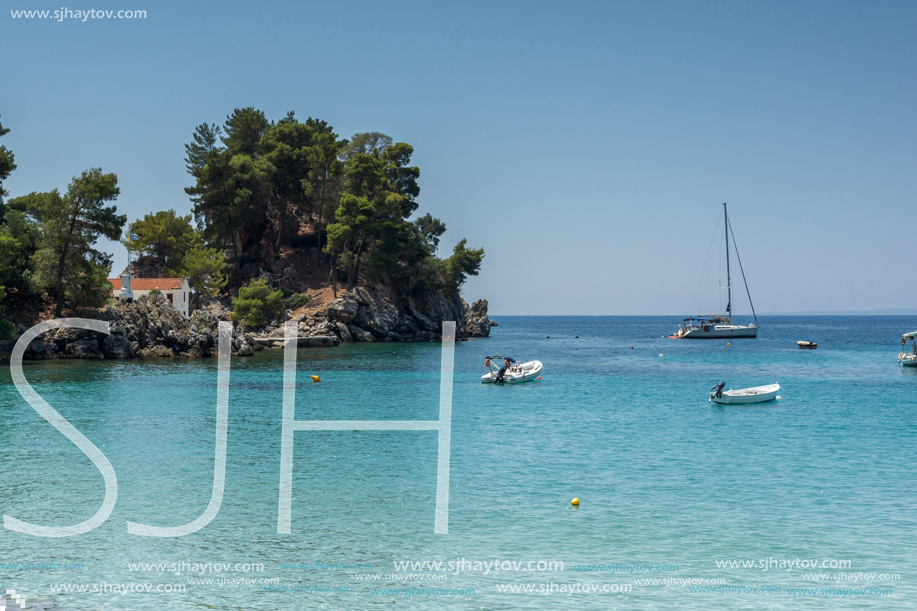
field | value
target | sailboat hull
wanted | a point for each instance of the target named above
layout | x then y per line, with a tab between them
721	332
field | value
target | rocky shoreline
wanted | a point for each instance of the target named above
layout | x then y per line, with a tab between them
150	327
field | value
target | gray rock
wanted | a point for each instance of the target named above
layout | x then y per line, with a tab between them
157	351
214	308
360	335
344	332
407	326
343	309
425	323
378	312
325	328
477	324
176	337
246	348
291	272
40	349
440	307
117	346
410	326
278	265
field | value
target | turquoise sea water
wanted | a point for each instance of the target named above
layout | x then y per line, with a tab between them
669	483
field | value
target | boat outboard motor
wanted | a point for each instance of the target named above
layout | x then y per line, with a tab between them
499	377
717	391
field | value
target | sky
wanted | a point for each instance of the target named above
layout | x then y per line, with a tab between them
586	146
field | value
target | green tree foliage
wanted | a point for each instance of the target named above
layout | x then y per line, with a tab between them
294	302
324	182
205	268
429	230
6	167
262	177
163	236
370	228
18	243
244	129
18	239
371	143
464	262
306	170
257	184
230	198
66	264
256	301
204	144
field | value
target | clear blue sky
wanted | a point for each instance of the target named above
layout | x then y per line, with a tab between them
586	146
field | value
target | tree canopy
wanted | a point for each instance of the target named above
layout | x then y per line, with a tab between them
164	237
259	184
66	264
205	268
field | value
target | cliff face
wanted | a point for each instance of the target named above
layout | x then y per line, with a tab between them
376	314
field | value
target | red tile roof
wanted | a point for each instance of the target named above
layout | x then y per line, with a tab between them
148	284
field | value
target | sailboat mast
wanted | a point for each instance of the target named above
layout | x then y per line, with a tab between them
728	276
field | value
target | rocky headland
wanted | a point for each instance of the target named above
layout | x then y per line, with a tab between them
150	327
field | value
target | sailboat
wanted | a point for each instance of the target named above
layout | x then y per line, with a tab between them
720	326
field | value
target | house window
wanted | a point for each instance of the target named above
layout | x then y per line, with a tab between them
170	298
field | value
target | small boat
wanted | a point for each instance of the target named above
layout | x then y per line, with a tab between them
758	394
908	355
511	372
718	326
807	345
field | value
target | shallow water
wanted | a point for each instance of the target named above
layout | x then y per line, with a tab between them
669	483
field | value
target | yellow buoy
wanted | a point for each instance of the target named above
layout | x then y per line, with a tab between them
727	343
575	501
315	378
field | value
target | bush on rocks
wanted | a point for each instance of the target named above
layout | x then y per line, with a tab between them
256	301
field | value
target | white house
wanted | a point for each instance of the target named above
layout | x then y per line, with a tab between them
176	290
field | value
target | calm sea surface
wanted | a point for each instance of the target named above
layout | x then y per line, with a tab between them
669	483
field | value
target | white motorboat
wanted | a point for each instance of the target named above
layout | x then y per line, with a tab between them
719	326
511	372
758	394
908	355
